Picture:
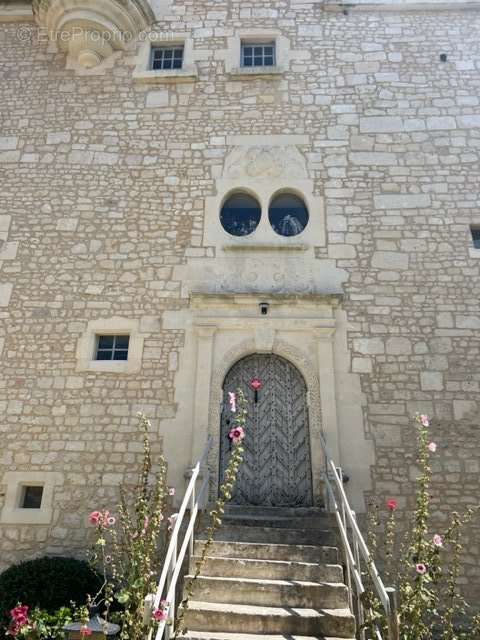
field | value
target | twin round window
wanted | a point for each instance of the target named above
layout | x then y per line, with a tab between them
241	214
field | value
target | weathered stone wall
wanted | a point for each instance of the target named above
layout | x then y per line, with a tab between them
103	188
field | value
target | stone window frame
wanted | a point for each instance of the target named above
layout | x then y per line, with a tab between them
264	236
15	481
233	53
86	346
188	72
473	250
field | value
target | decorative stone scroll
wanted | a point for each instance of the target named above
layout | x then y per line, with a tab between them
265	162
92	30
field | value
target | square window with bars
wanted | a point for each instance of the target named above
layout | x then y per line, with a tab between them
167	58
475	231
258	54
112	348
31	497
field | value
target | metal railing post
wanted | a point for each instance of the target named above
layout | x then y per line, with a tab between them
358	561
193	499
393	620
171	607
347	563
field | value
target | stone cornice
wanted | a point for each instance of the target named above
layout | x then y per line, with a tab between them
92	30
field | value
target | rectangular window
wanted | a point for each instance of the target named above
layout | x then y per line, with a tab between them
258	54
165	58
31	497
475	231
112	348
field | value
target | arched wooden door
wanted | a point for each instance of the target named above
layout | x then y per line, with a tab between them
277	466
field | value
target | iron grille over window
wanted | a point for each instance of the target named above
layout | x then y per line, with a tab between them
32	497
165	58
261	54
112	348
476	236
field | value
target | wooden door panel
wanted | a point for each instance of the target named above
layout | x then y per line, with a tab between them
277	466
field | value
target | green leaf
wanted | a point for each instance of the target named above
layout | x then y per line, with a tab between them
123	597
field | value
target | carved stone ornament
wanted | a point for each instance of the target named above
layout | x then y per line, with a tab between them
265	162
91	30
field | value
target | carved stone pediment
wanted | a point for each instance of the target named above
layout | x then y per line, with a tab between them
91	30
265	162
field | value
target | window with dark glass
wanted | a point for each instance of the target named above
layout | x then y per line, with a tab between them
112	348
258	54
288	214
240	214
31	497
165	58
475	231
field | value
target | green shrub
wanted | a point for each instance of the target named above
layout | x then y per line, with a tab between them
48	583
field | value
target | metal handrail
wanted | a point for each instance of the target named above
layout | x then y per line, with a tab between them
355	550
173	562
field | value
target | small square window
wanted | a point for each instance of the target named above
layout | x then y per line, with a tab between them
475	231
112	348
31	497
167	58
258	54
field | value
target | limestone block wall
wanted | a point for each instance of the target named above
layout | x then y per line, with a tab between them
104	179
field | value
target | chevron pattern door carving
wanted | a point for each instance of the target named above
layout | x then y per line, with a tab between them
277	467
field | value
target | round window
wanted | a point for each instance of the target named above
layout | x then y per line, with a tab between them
288	214
240	214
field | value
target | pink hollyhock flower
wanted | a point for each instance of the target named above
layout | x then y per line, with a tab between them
232	398
85	631
20	612
159	615
392	504
421	568
171	491
146	522
438	540
110	521
237	434
425	420
95	518
432	447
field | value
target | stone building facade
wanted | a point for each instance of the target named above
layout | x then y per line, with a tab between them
113	179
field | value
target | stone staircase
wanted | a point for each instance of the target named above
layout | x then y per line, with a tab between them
271	574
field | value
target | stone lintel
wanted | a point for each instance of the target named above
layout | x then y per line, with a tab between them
201	299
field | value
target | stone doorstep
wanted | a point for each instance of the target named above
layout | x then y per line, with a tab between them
270	569
277	512
271	593
208	635
264	551
213	616
276	535
317	521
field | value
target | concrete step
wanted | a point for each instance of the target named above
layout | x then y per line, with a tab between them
271	593
236	618
322	521
208	635
288	518
274	535
264	551
283	512
269	569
